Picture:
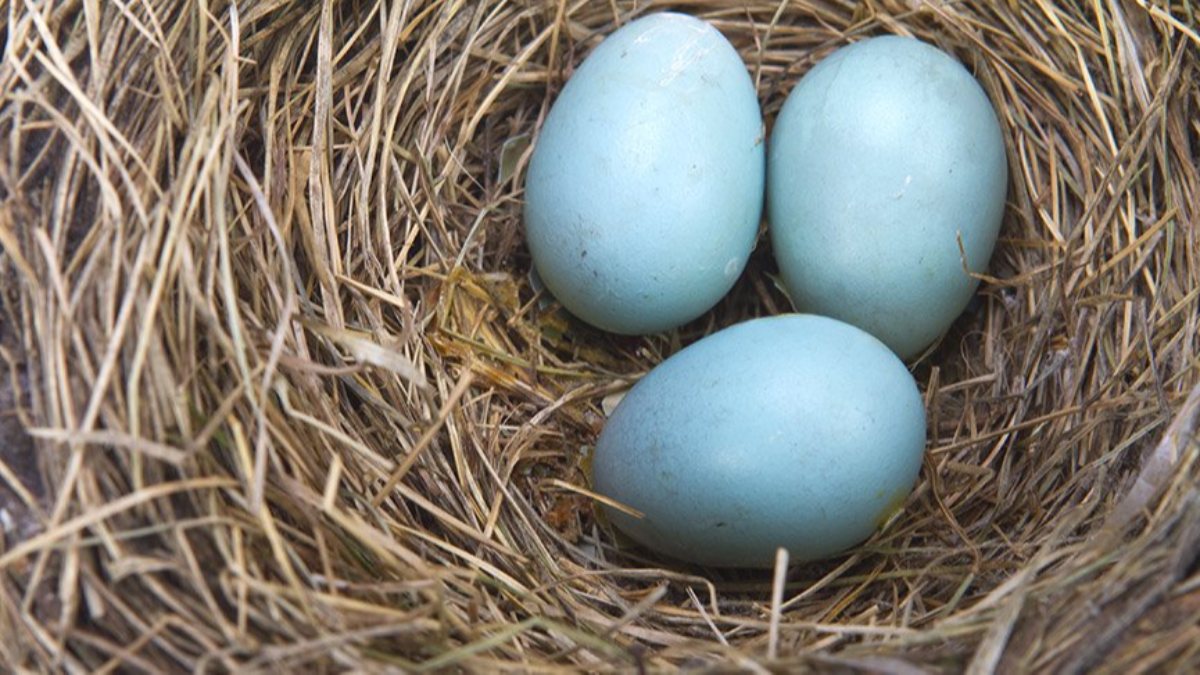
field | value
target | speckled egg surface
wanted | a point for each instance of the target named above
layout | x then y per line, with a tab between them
645	188
797	431
883	155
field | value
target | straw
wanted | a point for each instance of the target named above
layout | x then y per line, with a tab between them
296	404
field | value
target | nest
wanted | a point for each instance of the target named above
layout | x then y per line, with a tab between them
269	326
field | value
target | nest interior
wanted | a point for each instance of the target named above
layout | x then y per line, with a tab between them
295	403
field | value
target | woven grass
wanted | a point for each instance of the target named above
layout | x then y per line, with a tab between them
297	406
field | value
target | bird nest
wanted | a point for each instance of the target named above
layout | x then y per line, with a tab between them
296	403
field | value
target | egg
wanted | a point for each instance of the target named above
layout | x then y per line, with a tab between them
884	156
645	187
794	431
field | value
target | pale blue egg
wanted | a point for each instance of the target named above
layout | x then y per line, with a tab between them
645	188
795	431
883	156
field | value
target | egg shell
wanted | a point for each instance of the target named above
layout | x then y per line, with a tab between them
645	188
883	155
797	431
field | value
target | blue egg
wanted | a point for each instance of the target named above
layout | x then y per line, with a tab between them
795	431
884	156
645	188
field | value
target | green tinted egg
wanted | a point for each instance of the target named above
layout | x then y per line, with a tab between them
884	157
645	188
794	431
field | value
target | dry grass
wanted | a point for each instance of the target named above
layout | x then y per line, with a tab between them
297	405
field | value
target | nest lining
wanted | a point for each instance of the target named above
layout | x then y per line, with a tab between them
297	404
